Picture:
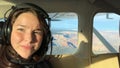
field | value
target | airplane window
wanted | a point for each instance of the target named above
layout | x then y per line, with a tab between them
106	33
64	27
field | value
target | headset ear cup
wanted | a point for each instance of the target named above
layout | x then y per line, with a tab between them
6	30
3	33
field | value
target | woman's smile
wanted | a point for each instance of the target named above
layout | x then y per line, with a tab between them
27	47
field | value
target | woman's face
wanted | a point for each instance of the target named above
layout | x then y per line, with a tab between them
26	35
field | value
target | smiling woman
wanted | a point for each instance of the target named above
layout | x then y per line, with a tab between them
25	38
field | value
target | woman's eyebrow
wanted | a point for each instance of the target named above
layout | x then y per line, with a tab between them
39	29
20	25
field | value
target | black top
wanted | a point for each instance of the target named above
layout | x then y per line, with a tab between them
42	64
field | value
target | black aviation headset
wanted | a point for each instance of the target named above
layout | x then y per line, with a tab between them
7	27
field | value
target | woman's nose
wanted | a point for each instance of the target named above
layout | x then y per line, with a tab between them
29	37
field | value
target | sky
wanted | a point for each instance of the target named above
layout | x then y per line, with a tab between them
102	23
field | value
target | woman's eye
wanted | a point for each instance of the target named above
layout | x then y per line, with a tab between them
38	32
20	29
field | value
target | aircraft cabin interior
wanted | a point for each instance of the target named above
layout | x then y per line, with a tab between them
86	33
